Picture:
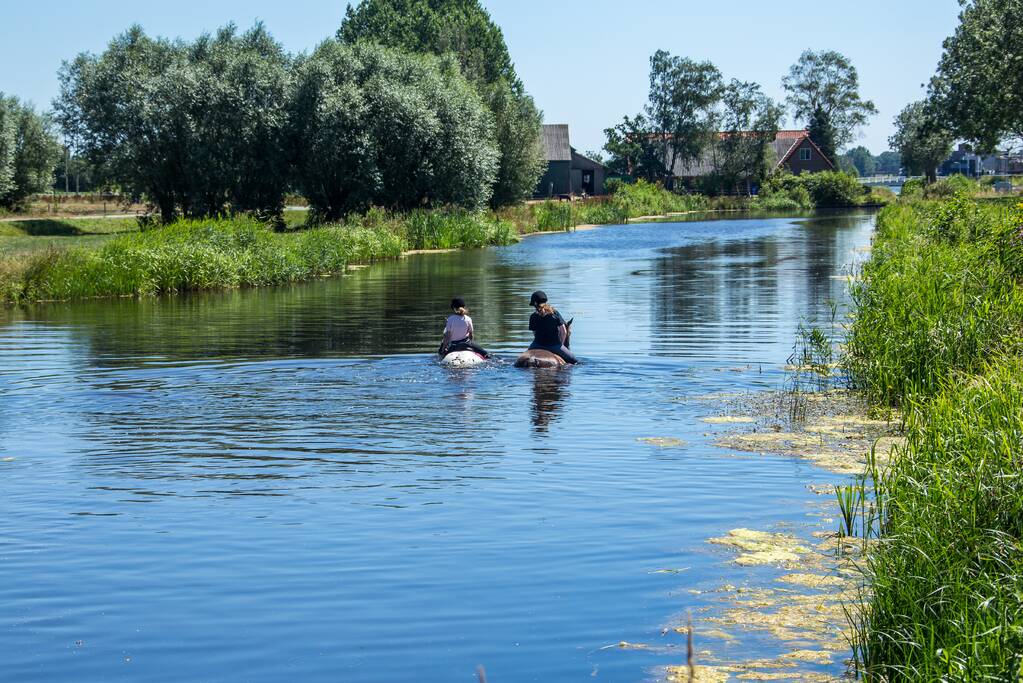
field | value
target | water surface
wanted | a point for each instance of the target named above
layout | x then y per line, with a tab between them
283	484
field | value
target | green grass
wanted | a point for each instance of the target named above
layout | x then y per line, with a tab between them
937	333
939	296
216	254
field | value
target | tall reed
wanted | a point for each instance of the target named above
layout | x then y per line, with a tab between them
938	333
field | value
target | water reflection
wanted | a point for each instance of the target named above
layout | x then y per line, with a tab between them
550	393
325	501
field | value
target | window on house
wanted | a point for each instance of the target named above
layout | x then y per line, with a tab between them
804	154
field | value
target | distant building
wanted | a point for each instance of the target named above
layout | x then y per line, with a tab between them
1002	163
568	172
793	150
962	161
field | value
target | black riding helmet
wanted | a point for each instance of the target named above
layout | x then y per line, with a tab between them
457	302
538	298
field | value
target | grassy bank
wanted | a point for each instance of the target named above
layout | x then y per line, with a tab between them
938	335
213	254
200	255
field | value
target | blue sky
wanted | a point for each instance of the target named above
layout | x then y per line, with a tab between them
586	64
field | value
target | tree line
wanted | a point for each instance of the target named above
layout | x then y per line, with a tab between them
976	93
28	152
383	114
694	119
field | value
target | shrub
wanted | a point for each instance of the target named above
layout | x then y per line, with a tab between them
952	185
834	189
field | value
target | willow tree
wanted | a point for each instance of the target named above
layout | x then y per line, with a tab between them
381	127
196	128
464	29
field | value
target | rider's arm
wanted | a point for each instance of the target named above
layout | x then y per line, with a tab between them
562	334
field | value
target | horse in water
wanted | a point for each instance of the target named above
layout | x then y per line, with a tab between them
541	358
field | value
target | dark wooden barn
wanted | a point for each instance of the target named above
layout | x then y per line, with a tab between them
568	172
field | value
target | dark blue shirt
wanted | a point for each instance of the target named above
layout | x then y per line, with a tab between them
545	328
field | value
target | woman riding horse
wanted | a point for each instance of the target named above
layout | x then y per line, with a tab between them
550	331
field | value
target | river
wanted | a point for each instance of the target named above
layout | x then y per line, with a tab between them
282	484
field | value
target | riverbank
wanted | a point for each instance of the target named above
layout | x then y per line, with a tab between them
108	257
937	336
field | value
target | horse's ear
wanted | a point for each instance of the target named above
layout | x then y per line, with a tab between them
569	323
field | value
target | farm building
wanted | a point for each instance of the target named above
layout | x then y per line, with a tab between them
793	149
568	172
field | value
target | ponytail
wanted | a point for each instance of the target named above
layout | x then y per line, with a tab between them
461	310
545	309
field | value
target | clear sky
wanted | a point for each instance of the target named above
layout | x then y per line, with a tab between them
586	64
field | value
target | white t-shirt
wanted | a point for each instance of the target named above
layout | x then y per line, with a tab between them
458	327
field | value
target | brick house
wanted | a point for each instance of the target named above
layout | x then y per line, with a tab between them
793	150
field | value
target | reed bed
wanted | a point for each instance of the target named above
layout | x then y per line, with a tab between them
937	334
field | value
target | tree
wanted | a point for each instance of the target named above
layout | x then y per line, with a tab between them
862	160
823	90
197	128
680	109
463	28
889	163
978	89
749	124
380	127
922	142
28	152
632	150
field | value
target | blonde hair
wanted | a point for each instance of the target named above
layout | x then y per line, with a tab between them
462	310
545	309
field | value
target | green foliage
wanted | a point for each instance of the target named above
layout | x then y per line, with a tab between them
749	123
947	581
939	296
522	159
922	142
862	160
680	107
633	152
978	89
198	128
191	255
831	189
913	188
460	27
823	90
824	190
951	186
28	152
888	163
552	216
463	28
783	189
937	332
454	229
381	127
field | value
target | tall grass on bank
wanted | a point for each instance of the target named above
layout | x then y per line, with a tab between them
946	594
214	254
940	294
940	314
